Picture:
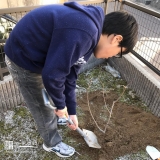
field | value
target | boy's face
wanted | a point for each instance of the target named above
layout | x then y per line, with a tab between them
108	46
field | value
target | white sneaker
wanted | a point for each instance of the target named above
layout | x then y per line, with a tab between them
61	149
61	121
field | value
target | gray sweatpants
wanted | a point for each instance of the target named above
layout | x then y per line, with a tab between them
30	85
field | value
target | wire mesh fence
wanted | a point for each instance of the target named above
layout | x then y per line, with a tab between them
113	5
148	45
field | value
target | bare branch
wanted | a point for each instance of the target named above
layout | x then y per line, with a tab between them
92	114
110	112
113	106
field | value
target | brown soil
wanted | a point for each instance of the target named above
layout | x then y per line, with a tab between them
130	129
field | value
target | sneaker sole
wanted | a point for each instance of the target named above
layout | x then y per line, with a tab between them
57	153
62	124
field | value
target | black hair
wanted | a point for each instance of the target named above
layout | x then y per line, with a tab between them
124	24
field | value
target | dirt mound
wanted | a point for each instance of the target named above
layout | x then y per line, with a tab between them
130	129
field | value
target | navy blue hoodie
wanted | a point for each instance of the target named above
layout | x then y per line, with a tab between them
54	41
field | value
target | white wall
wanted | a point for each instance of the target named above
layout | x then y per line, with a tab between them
20	3
3	4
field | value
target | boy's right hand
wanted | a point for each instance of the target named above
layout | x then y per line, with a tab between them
61	112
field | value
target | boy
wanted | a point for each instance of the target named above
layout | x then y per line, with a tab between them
47	48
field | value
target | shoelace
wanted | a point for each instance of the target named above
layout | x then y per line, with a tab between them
61	146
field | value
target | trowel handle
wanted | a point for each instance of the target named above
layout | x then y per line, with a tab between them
78	129
80	132
46	99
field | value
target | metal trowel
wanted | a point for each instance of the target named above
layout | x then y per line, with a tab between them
153	152
88	136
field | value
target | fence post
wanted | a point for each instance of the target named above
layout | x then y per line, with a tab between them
106	5
121	7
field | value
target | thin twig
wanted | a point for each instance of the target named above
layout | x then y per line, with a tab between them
89	85
113	106
105	104
104	99
110	113
92	114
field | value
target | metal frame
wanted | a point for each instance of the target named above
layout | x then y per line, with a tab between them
146	62
150	12
141	8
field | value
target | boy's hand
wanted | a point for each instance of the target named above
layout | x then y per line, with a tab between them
62	112
74	119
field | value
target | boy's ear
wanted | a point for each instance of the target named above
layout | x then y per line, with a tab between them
117	38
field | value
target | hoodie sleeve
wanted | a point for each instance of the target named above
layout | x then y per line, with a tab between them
70	85
66	46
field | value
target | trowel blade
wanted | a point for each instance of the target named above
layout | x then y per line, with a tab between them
91	139
153	152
